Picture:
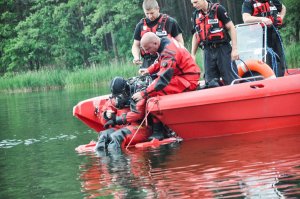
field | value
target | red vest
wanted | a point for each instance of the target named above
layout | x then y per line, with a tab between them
159	29
266	9
209	28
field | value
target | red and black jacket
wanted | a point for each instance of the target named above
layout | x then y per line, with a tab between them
174	60
128	115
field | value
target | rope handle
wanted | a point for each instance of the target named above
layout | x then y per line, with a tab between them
145	119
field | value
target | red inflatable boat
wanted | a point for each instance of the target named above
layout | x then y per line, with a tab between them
234	109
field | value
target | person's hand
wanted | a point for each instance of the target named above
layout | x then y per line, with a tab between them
143	71
279	20
137	61
137	96
234	54
109	113
266	20
109	123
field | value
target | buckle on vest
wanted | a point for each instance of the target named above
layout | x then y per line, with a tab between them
216	30
161	33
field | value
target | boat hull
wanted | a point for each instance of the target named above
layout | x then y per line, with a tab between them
236	109
222	111
86	111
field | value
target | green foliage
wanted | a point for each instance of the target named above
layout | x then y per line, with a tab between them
290	31
47	34
109	23
99	75
65	34
292	55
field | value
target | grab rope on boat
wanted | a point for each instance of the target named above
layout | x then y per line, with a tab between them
282	49
234	72
274	60
144	120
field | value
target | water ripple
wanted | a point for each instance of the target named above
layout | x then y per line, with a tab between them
9	143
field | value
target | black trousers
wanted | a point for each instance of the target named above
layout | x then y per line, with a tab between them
217	63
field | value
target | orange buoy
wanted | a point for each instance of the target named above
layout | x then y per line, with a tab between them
257	66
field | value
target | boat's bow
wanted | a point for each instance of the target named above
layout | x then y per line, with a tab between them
87	110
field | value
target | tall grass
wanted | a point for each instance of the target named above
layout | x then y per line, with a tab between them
98	75
49	79
44	79
292	53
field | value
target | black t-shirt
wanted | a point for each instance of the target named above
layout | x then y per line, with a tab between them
221	14
247	6
171	27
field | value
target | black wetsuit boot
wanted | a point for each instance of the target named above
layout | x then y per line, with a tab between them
158	131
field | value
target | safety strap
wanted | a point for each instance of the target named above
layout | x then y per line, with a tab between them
161	23
213	10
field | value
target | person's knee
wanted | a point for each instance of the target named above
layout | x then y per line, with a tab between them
118	139
103	139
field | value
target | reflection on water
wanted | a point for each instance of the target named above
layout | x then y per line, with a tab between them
38	135
243	166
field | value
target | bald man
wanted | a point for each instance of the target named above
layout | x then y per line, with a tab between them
150	43
176	69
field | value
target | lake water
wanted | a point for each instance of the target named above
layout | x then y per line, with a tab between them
37	159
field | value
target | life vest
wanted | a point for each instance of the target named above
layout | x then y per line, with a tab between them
266	9
159	29
209	28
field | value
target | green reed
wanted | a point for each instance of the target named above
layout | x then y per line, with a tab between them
98	75
52	79
29	81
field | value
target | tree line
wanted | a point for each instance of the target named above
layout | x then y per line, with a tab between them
72	34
